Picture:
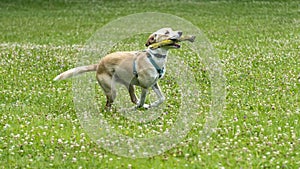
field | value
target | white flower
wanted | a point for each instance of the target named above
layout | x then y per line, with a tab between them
6	126
59	141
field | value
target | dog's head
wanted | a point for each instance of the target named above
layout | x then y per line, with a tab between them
165	34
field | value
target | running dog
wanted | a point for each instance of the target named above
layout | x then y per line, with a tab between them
138	68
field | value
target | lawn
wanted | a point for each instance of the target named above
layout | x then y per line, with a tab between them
257	43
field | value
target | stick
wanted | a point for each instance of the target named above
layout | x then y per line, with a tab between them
189	38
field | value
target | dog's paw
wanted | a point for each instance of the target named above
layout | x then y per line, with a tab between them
145	106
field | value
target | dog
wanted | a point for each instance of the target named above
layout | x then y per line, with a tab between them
138	68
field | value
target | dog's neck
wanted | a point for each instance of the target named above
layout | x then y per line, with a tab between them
159	52
159	55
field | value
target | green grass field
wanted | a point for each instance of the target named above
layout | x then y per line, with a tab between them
258	43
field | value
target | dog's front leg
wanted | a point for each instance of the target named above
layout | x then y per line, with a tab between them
161	97
132	94
141	103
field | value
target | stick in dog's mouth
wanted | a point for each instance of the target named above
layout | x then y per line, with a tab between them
190	38
173	42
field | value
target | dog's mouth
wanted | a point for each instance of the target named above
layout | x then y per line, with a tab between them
175	44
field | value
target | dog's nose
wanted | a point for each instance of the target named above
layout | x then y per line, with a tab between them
179	33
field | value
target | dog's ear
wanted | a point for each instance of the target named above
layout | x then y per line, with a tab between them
150	40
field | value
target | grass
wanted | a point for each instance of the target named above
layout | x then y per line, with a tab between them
257	42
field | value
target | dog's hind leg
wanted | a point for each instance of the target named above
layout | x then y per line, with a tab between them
160	96
108	86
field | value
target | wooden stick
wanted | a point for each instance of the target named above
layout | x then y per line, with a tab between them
189	38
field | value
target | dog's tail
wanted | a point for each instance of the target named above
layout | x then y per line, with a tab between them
76	71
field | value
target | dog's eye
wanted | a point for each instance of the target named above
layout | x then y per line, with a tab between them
167	32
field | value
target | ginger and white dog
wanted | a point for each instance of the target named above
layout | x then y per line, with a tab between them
139	68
